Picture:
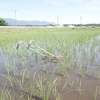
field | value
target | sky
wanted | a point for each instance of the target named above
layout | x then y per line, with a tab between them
58	11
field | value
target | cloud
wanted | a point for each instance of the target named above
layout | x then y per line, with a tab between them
62	2
91	5
56	2
84	4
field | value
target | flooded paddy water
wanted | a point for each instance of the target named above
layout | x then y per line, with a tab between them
25	75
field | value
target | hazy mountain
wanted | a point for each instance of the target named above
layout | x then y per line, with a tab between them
25	22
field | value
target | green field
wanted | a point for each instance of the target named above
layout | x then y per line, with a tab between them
49	38
25	75
55	35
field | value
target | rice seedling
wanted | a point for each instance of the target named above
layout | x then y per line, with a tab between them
2	92
7	68
79	86
29	98
81	70
11	68
62	68
6	94
10	79
26	73
95	95
41	89
21	97
45	90
68	63
32	87
97	74
69	81
22	81
22	63
56	94
64	86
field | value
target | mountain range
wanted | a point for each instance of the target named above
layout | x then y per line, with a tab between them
11	21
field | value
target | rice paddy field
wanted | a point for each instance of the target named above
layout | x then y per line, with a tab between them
27	75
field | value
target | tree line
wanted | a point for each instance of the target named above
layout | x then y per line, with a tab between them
3	22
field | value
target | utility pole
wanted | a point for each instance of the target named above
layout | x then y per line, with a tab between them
81	20
57	20
15	19
72	22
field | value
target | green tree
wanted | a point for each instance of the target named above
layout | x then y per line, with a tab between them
3	22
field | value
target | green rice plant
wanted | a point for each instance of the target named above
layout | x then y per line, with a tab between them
10	69
85	64
89	74
32	87
81	69
79	86
45	90
2	88
56	94
22	63
7	68
68	63
13	69
27	72
10	79
29	98
95	95
6	94
69	81
22	81
21	97
41	89
97	71
98	74
62	68
64	86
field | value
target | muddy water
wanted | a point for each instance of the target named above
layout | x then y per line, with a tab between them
74	82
